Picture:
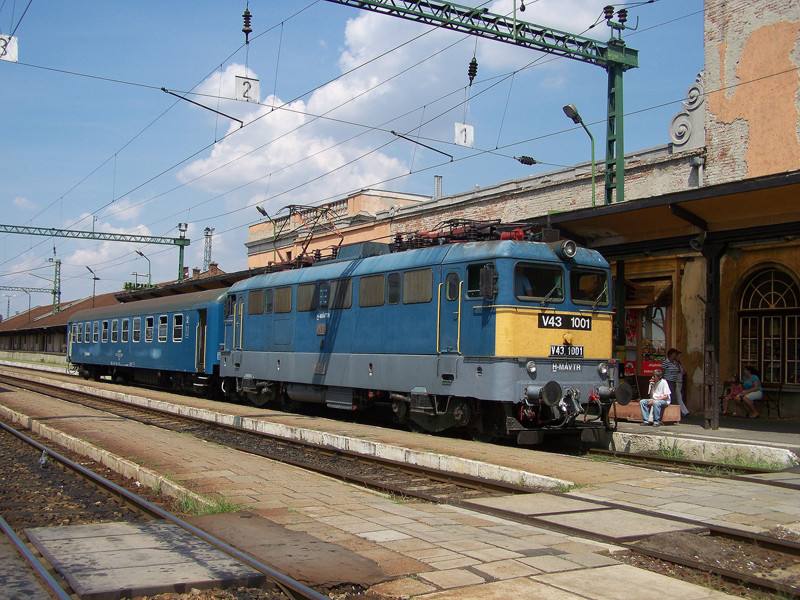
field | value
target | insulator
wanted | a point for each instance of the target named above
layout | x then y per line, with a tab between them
526	160
522	6
623	15
608	12
473	69
247	30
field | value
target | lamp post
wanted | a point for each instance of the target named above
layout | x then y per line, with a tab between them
140	253
260	209
573	114
95	278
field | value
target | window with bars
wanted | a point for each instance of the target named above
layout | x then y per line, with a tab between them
769	337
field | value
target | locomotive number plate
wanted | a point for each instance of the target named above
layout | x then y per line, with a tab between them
565	322
566	351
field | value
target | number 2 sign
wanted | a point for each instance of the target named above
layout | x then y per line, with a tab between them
247	89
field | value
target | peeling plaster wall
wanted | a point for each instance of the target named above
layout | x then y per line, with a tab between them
752	57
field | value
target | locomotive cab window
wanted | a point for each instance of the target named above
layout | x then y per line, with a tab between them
114	331
417	286
255	302
474	279
125	329
588	287
104	337
162	328
148	328
451	286
230	305
540	283
137	329
177	328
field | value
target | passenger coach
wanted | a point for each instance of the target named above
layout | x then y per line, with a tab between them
172	341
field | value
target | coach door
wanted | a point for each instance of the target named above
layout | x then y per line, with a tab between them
448	339
200	342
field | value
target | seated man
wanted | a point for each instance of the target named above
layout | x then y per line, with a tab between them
659	398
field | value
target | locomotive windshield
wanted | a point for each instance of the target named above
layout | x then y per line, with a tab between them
542	283
588	287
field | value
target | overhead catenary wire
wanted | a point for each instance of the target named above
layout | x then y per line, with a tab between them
204	148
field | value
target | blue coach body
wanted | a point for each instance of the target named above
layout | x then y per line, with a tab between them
149	340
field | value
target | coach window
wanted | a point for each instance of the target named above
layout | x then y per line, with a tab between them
255	302
162	328
371	290
588	287
104	337
177	328
137	330
87	333
95	332
125	328
324	294
341	294
283	300
539	283
417	286
114	331
393	293
148	328
268	301
306	297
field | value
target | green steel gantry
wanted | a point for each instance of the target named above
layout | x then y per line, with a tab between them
614	56
181	241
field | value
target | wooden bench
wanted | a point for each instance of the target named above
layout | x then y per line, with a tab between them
632	412
771	398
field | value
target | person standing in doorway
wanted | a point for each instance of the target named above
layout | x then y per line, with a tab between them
673	374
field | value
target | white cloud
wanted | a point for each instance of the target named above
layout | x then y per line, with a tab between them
23	203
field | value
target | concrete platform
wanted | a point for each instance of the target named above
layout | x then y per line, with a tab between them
611	524
17	582
115	560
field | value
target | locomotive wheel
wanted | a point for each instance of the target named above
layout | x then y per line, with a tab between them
262	399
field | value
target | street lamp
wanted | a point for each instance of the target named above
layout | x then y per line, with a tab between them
263	212
95	278
140	253
573	114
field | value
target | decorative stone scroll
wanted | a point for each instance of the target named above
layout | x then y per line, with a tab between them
687	128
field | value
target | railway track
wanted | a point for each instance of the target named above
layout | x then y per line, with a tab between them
390	476
409	481
42	488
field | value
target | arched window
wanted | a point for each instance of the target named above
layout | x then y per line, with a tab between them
769	326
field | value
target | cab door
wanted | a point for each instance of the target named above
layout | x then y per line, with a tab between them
448	339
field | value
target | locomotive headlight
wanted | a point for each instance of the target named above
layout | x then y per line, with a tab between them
602	368
530	367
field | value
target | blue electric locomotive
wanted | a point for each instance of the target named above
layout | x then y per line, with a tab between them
172	341
501	338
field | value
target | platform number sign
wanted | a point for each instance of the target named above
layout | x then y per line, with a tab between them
8	48
465	135
247	89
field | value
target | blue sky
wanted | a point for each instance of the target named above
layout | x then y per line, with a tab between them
91	140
